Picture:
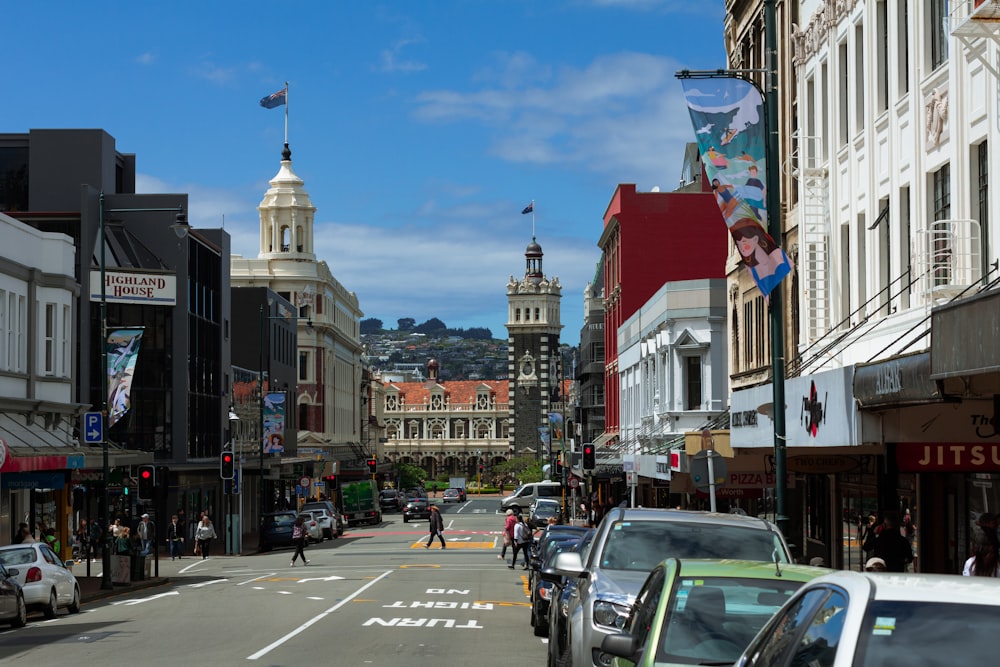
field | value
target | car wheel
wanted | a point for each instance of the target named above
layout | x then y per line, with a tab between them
50	609
74	606
21	617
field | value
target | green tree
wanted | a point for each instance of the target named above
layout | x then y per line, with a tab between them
406	323
521	468
371	325
410	476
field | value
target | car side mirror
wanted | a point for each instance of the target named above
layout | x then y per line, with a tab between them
620	644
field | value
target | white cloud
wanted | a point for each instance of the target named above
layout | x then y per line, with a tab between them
390	59
146	58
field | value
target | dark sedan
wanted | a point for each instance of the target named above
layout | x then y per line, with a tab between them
417	508
542	591
454	496
276	530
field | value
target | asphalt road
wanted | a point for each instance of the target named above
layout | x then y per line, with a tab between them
375	596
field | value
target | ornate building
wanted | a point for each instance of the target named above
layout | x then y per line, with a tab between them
532	352
328	409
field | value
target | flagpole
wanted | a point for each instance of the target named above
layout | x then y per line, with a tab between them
286	113
532	219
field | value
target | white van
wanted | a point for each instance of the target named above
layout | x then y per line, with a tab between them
526	494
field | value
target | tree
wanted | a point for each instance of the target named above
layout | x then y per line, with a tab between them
371	325
405	324
431	326
410	476
522	468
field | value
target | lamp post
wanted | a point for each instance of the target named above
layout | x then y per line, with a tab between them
104	512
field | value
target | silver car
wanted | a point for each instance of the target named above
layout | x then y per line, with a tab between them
631	542
47	582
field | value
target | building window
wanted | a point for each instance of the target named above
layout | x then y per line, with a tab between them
13	334
437	402
842	105
902	47
938	26
49	340
941	210
882	55
692	383
860	80
981	197
414	430
460	429
391	402
305	366
482	401
65	358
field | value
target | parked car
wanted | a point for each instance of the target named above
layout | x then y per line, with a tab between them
341	521
541	510
47	583
13	609
313	527
416	492
526	494
563	589
329	507
697	612
417	508
865	618
540	590
327	523
453	496
390	500
276	530
629	543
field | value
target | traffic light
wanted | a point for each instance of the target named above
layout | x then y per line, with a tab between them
373	465
227	465
559	468
147	480
331	482
589	457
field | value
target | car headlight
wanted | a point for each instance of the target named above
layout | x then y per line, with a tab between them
610	615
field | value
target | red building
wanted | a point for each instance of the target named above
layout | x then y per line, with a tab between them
651	238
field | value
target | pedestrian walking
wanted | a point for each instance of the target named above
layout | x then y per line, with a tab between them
985	559
116	529
147	534
437	528
204	535
891	546
508	533
300	537
522	542
175	538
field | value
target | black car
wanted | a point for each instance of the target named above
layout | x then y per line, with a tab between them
12	607
417	508
559	608
390	500
276	530
542	591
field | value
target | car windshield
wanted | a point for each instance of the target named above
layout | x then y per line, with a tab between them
281	520
928	633
640	545
711	620
17	556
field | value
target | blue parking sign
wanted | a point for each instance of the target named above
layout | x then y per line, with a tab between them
93	428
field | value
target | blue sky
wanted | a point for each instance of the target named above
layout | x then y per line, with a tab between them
421	129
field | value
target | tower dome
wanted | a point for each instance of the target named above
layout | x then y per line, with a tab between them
533	262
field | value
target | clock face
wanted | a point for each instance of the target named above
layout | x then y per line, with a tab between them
527	366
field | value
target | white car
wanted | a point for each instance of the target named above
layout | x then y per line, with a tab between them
47	582
851	618
312	527
327	523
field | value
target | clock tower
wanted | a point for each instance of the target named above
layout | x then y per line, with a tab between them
532	352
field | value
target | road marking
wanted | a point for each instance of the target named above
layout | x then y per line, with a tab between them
261	577
332	577
135	601
315	619
207	583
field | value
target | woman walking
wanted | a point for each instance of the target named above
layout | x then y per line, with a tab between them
437	528
522	541
300	537
985	559
204	535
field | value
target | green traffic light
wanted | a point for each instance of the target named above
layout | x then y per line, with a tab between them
125	490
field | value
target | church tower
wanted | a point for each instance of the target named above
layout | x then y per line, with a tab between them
533	328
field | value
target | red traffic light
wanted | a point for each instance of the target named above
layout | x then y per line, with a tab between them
145	474
373	465
227	458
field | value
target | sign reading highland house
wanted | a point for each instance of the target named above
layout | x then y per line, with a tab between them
819	412
158	289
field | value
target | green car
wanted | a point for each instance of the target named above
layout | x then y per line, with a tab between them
703	612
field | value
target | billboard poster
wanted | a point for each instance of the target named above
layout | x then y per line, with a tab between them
123	352
274	422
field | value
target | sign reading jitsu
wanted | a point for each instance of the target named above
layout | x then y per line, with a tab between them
728	118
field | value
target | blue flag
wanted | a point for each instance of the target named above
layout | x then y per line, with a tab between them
275	99
529	208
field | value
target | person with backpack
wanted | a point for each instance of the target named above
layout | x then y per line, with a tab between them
522	542
300	537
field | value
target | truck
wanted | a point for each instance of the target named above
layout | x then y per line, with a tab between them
457	483
360	501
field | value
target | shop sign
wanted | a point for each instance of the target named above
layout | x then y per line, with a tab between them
158	289
948	457
821	464
819	412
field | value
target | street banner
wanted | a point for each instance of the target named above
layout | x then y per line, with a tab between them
728	118
274	422
123	352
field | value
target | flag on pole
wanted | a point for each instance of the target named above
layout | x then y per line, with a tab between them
123	351
529	208
728	118
275	99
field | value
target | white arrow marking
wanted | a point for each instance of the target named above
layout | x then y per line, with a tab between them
459	539
140	601
332	577
207	583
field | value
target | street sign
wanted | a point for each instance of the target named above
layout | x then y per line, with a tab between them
574	482
700	472
93	428
304	482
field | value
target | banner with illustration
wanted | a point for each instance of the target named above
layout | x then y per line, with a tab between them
728	118
123	352
274	422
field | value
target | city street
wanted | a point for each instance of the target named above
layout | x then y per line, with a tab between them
375	596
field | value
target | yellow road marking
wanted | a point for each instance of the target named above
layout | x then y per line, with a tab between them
456	545
408	567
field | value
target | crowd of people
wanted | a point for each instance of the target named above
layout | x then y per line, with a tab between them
126	538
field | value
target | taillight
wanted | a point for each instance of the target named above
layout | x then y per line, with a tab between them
34	574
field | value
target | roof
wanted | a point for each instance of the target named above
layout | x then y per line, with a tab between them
458	391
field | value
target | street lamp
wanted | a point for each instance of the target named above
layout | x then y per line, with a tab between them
104	512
